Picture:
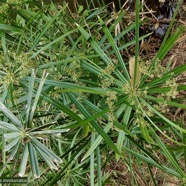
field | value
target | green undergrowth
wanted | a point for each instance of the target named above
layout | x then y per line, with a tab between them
72	101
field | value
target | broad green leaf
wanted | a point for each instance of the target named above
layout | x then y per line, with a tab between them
166	76
4	46
165	89
68	60
31	14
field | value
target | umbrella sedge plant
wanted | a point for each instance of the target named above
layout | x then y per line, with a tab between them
107	107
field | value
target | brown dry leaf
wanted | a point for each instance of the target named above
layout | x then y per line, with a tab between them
156	26
132	70
170	184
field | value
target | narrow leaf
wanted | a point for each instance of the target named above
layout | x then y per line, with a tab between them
8	126
33	160
10	115
96	142
9	28
24	160
37	95
50	131
47	159
133	70
46	150
11	144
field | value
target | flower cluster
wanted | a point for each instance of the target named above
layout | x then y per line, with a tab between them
162	107
106	81
139	120
144	110
111	98
74	70
109	69
8	78
4	8
132	92
15	2
166	96
171	83
15	68
157	70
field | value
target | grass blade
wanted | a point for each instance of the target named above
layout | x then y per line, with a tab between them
47	26
163	117
168	155
5	27
137	42
94	124
92	170
96	142
115	48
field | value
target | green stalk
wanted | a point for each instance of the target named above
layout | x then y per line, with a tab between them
137	41
3	146
92	162
99	174
151	175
